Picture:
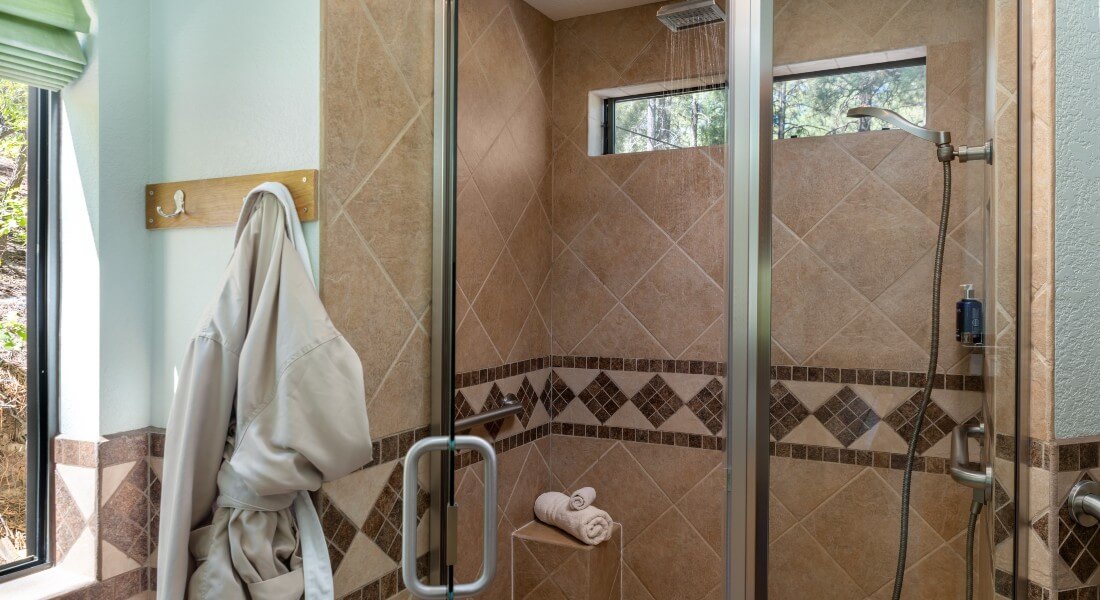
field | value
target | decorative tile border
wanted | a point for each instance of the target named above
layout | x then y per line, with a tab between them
1076	548
480	376
390	584
863	458
465	458
644	436
823	374
643	365
124	513
969	383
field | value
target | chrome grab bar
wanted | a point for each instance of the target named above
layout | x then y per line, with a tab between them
1084	502
408	518
980	479
511	406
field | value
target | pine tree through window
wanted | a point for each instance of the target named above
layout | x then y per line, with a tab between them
815	104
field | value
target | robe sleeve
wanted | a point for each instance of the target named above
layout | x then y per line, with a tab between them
194	445
315	428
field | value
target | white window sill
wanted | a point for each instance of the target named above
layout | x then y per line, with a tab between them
47	583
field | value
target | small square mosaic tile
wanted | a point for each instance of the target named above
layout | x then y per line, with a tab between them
603	397
657	401
846	416
786	411
937	423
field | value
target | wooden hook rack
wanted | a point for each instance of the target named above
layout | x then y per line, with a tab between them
214	202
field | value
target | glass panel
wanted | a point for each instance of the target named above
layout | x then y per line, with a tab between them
13	321
684	120
856	207
816	104
590	291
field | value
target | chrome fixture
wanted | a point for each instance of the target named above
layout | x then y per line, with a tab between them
509	406
410	487
976	476
945	152
690	13
1084	502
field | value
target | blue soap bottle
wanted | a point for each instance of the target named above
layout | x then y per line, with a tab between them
969	318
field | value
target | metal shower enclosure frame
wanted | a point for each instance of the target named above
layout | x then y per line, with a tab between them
748	284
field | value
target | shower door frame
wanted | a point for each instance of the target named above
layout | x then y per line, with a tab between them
748	293
750	38
748	306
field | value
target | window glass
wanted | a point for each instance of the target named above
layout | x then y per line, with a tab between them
683	119
13	321
814	104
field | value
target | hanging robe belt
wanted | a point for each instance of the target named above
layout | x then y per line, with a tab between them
235	501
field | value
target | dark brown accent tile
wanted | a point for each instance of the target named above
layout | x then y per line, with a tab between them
657	401
785	411
846	416
937	423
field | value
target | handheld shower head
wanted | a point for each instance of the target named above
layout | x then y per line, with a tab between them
938	138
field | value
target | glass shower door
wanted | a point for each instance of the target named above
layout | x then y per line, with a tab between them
588	332
856	215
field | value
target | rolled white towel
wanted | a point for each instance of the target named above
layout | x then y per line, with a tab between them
589	525
582	498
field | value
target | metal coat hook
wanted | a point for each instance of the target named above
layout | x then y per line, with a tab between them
178	199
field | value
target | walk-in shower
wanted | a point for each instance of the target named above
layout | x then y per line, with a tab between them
689	255
945	153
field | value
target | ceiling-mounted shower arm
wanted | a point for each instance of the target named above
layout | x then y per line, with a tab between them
945	152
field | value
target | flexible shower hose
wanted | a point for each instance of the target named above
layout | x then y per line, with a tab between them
926	396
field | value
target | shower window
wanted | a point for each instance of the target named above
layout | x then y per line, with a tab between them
814	104
686	118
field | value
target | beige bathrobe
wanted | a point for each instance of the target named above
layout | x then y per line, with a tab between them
269	403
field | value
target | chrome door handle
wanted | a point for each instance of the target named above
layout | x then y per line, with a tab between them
979	479
408	517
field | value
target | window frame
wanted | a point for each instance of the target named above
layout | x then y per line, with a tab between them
609	128
43	142
919	61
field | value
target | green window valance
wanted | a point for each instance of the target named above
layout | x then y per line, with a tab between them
38	42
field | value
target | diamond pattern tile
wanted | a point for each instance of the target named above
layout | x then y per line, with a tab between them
493	401
603	397
339	529
383	524
559	395
528	399
462	407
1004	514
709	405
657	401
786	411
124	517
846	416
937	423
1078	546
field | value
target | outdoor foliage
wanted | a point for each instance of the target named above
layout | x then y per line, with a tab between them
13	326
816	105
684	120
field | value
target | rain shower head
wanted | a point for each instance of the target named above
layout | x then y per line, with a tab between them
690	13
936	137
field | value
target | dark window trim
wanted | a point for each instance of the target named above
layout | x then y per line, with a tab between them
43	142
875	66
609	108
